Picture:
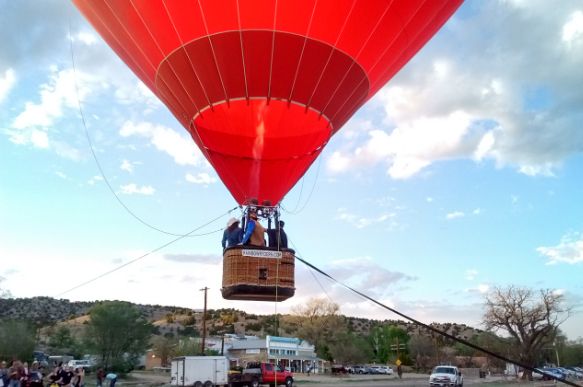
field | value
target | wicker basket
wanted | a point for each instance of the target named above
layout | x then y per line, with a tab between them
258	273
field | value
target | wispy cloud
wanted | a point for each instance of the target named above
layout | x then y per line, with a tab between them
128	166
471	274
200	178
211	259
361	222
455	215
132	188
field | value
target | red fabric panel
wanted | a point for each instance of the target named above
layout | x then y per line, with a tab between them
186	18
257	52
219	16
258	14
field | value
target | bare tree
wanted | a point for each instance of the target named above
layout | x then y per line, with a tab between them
319	323
421	348
530	317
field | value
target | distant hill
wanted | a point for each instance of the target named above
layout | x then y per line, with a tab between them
46	311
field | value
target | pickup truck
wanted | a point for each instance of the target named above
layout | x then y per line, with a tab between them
446	376
256	374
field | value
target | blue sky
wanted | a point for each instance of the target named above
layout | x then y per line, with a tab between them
463	173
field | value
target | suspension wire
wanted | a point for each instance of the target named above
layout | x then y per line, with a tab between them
142	256
433	329
312	273
96	159
294	212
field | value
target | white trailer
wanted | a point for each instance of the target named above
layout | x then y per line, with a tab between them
200	371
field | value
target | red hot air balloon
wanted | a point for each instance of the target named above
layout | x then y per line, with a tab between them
262	85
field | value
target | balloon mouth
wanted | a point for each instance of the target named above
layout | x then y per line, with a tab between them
259	129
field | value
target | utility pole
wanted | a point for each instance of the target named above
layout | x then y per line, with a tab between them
205	289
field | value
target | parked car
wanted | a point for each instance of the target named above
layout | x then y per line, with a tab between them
85	364
446	376
359	369
375	369
380	369
386	370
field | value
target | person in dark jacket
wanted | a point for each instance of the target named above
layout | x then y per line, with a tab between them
277	236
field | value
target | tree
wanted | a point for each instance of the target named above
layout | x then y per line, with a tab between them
387	341
118	333
350	349
164	348
62	341
421	348
318	323
531	318
17	339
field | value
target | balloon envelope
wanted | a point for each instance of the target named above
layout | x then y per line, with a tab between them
262	85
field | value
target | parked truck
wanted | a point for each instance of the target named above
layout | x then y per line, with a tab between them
256	374
209	371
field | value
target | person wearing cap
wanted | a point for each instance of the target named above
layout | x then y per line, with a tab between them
254	232
232	234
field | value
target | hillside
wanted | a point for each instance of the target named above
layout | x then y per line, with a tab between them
46	311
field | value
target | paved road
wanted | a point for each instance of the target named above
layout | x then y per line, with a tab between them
150	379
409	380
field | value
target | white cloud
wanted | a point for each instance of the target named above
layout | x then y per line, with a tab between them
7	82
181	148
127	166
573	29
455	215
201	178
130	189
477	211
60	92
94	180
39	139
480	289
361	221
569	250
62	175
471	274
408	148
338	163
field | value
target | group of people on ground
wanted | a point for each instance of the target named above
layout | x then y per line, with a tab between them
19	374
254	233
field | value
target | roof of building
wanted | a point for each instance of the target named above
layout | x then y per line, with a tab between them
249	344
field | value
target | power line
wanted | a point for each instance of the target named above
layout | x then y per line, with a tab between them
142	256
433	329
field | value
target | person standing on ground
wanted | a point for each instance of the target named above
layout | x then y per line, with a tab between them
112	379
100	376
